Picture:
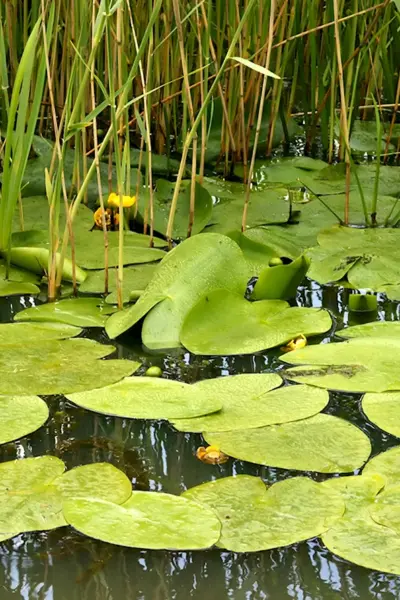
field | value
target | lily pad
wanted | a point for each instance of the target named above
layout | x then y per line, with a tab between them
13	288
370	258
223	323
356	536
81	312
149	398
391	291
59	367
36	215
21	415
27	333
386	464
384	411
357	365
281	281
17	275
247	400
147	520
37	260
162	204
378	329
135	281
364	137
198	265
36	504
255	518
321	443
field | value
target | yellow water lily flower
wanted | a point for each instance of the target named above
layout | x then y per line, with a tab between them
211	455
115	199
298	342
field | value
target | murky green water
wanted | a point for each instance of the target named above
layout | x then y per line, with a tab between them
63	565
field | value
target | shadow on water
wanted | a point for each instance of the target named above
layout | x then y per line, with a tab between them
64	565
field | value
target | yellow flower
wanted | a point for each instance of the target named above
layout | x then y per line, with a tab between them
298	342
211	455
114	200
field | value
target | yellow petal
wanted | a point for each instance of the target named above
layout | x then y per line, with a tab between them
114	200
298	342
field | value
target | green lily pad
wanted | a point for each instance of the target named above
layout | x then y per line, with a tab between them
281	281
21	415
17	275
162	203
378	329
13	288
364	137
149	398
37	260
356	536
336	202
135	281
81	312
36	215
384	411
391	291
321	443
27	333
386	464
255	518
223	323
357	365
198	265
385	511
36	505
147	520
59	367
248	399
370	258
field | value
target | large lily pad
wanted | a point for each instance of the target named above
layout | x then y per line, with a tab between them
386	464
59	367
357	365
21	415
386	510
36	215
255	518
146	520
81	312
384	411
36	503
27	333
135	281
321	443
370	258
198	265
356	536
378	329
247	401
224	323
149	398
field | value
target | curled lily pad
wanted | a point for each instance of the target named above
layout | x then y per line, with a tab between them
36	504
255	518
59	367
149	398
21	415
26	333
224	323
357	537
386	464
146	520
281	281
199	264
321	443
384	411
81	312
357	365
250	401
37	260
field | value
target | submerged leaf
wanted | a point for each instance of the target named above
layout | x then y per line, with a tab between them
21	415
223	323
147	520
81	312
321	443
255	518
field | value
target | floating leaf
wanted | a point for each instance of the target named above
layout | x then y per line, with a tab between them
356	536
59	367
149	398
247	401
386	464
17	275
147	520
378	329
21	415
36	503
37	261
13	288
384	411
82	312
385	511
364	137
321	443
26	333
135	281
255	518
162	203
281	281
223	323
199	264
35	212
357	365
391	291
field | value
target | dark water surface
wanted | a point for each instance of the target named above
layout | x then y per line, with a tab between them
64	565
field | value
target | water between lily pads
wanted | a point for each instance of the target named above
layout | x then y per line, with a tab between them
63	565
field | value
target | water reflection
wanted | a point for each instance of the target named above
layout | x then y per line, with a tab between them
63	565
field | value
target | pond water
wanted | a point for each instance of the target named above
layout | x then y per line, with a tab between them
64	565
